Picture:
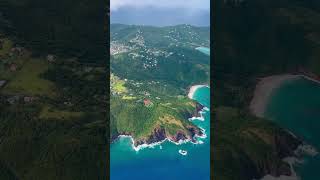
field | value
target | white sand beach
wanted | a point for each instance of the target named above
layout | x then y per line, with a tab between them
193	89
264	89
262	93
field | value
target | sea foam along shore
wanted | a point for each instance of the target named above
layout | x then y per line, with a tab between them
152	145
201	117
142	146
193	89
264	89
303	149
291	161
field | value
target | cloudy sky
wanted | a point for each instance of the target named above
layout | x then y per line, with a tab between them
161	12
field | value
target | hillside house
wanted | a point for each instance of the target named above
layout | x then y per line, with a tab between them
147	103
147	93
13	67
13	99
16	51
51	58
28	99
2	83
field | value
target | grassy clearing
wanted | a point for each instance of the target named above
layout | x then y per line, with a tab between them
119	87
6	47
48	113
169	120
5	72
128	97
28	81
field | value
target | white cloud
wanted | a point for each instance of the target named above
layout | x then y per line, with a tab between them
191	5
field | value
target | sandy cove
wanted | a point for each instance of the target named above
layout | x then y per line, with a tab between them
266	86
264	89
262	93
193	89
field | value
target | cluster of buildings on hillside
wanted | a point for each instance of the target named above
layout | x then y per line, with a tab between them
117	48
144	95
149	55
138	40
20	99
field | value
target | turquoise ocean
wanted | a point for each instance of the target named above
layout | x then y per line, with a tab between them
296	106
164	162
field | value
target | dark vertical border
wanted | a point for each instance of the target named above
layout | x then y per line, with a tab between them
107	42
213	20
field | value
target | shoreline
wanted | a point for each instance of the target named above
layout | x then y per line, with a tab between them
291	161
262	94
301	151
193	89
266	86
264	89
153	145
201	112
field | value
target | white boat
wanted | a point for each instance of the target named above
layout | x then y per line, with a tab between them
183	152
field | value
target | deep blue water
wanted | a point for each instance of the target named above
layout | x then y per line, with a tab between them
296	106
163	162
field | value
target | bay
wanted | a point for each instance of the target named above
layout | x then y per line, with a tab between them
296	106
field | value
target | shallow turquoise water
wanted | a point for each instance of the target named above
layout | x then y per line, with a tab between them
204	50
296	106
163	162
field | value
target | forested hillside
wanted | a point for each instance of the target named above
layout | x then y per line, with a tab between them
52	90
62	27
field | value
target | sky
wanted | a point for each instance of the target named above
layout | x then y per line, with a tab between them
160	12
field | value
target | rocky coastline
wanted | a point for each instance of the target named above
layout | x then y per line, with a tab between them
285	145
159	133
275	164
288	147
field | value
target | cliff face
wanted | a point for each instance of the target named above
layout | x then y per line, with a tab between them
159	134
198	108
186	131
286	143
283	145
